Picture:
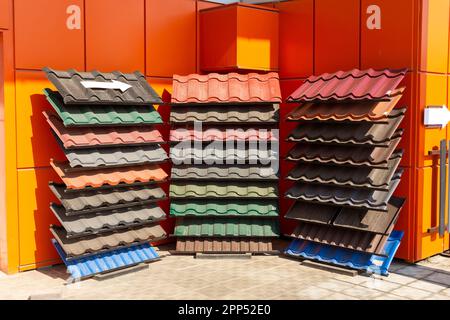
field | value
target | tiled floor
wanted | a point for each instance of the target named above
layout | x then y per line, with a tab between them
261	277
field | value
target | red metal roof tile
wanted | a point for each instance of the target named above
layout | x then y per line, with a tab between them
84	137
352	85
227	88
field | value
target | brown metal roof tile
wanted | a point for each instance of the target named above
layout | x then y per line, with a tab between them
344	155
81	179
224	245
87	137
351	85
215	134
226	88
312	212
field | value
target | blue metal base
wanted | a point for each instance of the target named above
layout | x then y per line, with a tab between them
107	261
347	258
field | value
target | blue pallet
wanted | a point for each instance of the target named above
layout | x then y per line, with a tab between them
107	261
347	258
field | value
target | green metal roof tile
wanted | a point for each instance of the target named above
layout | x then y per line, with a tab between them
189	189
100	115
251	208
237	227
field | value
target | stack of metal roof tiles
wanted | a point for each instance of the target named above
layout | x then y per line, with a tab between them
347	168
224	191
104	123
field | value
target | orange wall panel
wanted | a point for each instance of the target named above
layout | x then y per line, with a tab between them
115	35
296	38
171	37
35	142
336	35
387	34
49	33
4	14
408	101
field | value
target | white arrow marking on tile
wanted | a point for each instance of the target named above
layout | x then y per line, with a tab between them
437	116
106	85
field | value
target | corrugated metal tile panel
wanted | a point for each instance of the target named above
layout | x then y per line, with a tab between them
343	238
81	179
125	218
356	198
312	212
70	85
344	155
115	156
193	189
109	241
360	133
361	177
181	154
226	88
98	115
240	208
217	227
251	114
348	258
224	245
214	134
85	201
107	262
248	172
352	85
84	137
373	111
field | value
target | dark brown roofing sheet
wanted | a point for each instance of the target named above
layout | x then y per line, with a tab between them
369	220
81	179
115	156
252	114
88	137
373	111
125	218
217	172
356	198
361	133
344	155
224	245
364	177
312	212
108	241
226	88
351	85
80	202
343	238
136	92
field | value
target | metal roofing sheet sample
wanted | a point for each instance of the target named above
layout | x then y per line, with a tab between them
351	85
193	189
343	238
97	115
94	223
226	88
356	198
215	172
360	133
348	258
107	262
344	155
240	208
81	179
217	227
251	114
224	245
103	88
215	134
85	137
181	154
81	202
312	212
105	242
115	156
373	111
361	177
